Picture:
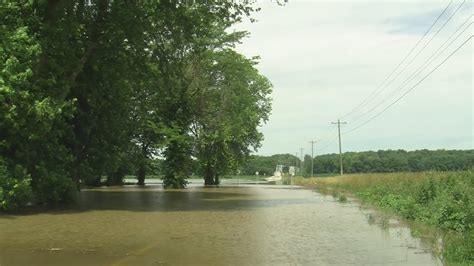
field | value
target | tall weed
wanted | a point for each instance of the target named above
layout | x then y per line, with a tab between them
441	199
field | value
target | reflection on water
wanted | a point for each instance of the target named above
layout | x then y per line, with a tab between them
225	226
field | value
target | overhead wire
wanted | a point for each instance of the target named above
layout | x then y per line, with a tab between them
330	142
427	62
423	66
411	88
376	91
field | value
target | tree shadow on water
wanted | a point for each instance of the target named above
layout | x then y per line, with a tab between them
148	199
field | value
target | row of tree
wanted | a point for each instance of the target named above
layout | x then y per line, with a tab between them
266	165
368	162
90	87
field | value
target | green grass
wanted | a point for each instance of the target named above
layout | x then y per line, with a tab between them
444	200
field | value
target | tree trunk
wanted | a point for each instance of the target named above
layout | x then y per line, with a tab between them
208	180
217	180
141	174
77	181
116	178
176	165
209	176
92	181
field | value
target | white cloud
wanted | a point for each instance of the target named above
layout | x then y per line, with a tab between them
325	57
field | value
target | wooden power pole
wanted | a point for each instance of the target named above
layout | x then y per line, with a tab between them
312	156
301	162
340	149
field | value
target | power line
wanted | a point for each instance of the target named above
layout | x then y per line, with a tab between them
413	58
332	141
340	149
301	162
423	66
419	52
369	98
312	156
412	88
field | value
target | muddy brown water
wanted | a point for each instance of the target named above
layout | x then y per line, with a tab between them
229	225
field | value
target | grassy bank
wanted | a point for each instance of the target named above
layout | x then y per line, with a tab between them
441	199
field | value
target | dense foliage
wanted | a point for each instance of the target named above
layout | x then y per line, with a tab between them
99	88
15	190
396	161
370	162
266	165
441	199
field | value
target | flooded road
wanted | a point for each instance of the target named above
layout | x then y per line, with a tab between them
229	225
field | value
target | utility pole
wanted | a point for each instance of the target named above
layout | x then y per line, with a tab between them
296	162
340	149
301	162
312	156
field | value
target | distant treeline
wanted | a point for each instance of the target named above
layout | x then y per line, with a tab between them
368	162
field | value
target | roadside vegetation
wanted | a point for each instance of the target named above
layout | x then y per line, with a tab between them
444	200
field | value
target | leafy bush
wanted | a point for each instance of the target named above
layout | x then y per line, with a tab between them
454	209
427	192
459	248
175	182
15	191
55	189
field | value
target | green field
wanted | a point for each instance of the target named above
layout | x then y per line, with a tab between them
442	200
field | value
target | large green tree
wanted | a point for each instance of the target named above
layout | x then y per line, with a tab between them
230	109
184	41
32	100
90	87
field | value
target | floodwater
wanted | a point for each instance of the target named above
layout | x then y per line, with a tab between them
228	225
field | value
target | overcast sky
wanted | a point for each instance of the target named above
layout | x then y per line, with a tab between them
325	57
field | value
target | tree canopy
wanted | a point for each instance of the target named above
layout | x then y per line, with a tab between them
97	88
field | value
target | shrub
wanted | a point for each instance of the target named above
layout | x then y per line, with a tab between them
286	180
175	182
342	198
459	248
15	190
55	189
453	214
427	191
